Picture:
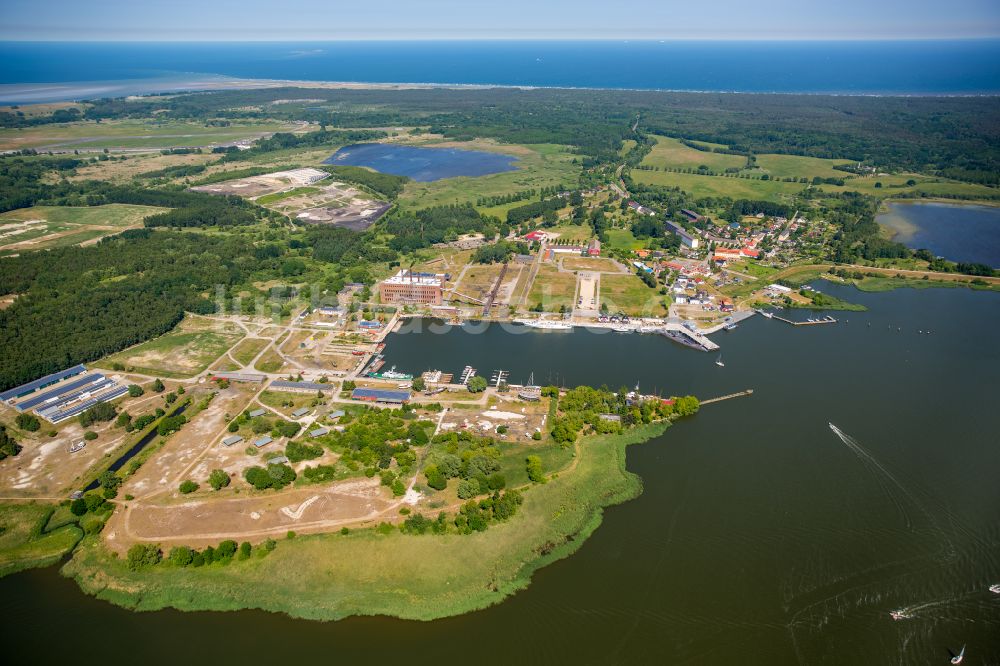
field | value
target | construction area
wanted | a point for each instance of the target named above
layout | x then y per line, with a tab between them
308	195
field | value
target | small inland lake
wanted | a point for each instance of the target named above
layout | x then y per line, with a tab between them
959	232
423	164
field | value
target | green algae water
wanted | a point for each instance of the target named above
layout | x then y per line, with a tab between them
763	536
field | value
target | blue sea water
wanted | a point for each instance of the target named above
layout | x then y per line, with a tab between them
864	67
422	164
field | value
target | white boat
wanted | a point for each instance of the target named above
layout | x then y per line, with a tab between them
622	329
995	589
957	659
719	362
898	615
548	325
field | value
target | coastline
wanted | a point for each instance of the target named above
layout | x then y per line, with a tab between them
187	82
323	576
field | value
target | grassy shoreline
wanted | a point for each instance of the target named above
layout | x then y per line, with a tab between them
333	576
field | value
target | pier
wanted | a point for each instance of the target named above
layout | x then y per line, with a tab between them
727	397
813	322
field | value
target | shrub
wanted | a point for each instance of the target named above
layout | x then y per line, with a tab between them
297	451
218	479
225	551
143	555
158	386
102	411
496	481
468	488
275	476
90	435
435	479
78	507
286	428
134	391
28	422
188	486
170	424
534	468
245	549
181	556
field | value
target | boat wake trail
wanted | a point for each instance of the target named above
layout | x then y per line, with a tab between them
879	469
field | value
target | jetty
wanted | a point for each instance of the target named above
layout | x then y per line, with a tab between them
727	397
809	322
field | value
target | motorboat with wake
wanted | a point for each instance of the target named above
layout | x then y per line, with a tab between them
719	362
995	589
957	658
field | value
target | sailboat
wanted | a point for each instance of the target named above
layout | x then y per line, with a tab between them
719	362
957	658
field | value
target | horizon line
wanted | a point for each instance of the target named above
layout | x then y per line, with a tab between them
660	40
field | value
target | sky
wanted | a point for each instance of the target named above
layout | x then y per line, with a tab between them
320	20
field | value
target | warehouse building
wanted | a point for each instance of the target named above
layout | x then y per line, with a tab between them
239	377
380	395
409	287
39	384
299	387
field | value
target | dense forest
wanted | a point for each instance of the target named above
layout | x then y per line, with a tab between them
956	136
78	304
423	228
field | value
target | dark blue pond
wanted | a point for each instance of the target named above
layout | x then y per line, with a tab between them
959	232
422	164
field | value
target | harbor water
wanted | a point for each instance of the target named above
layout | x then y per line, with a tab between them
764	535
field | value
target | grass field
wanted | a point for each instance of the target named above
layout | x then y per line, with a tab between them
184	352
552	289
751	268
88	135
366	573
624	240
629	294
538	166
248	349
573	232
270	362
720	186
478	280
671	153
47	227
590	264
23	545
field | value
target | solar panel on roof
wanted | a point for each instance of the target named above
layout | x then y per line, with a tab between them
62	389
41	382
62	415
